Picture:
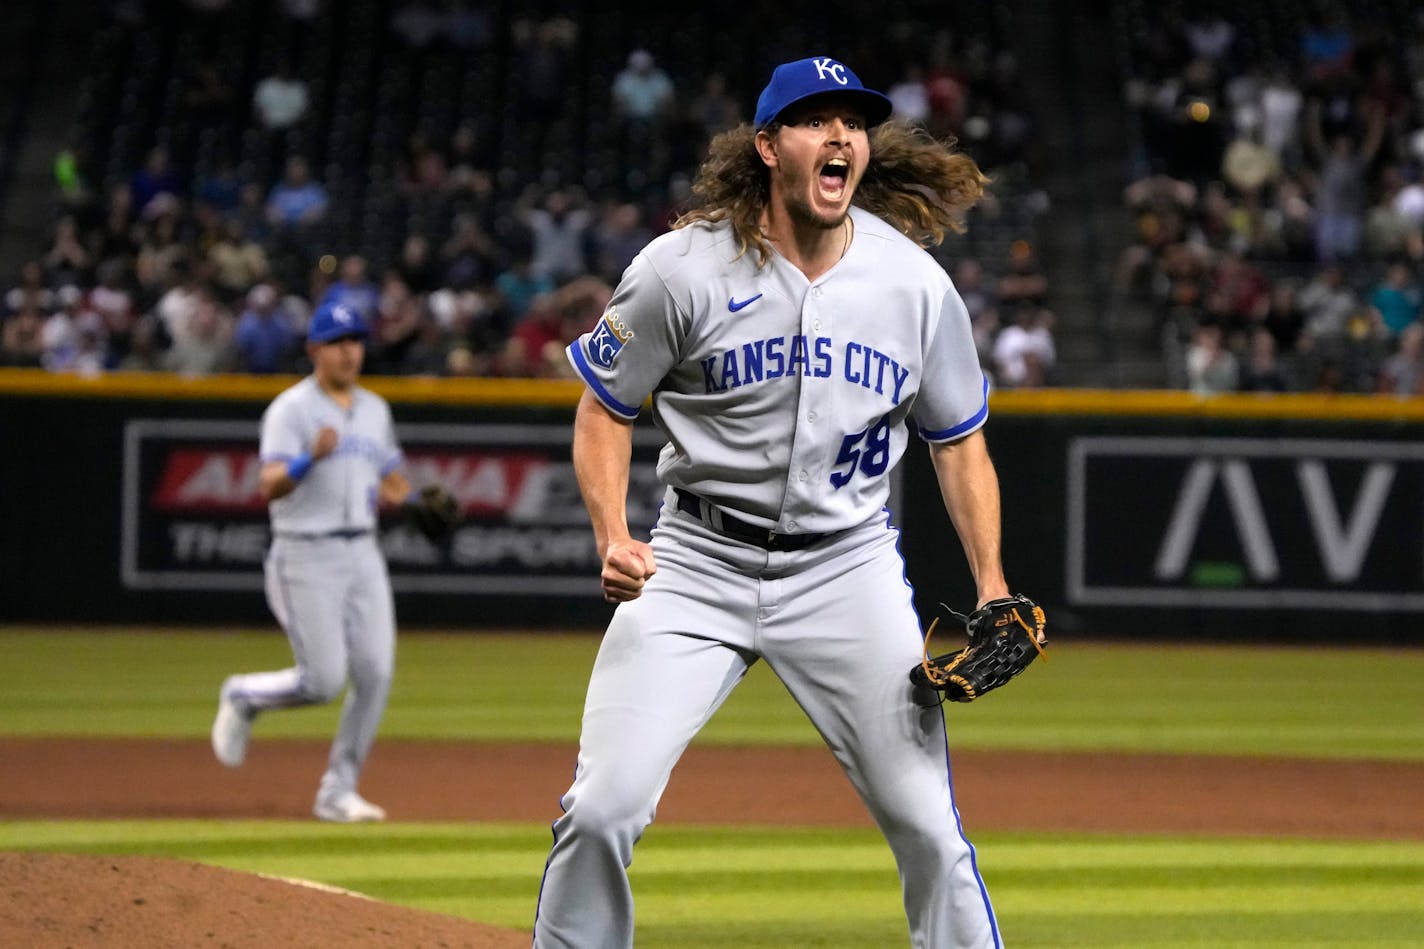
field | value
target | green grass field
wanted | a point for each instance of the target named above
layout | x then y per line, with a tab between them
790	887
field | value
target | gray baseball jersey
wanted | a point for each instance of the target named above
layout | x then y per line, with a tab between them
784	401
339	493
326	578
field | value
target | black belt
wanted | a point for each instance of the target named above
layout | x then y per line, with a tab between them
708	514
348	534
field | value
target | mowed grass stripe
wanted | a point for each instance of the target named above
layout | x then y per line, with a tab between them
1315	702
720	888
1209	928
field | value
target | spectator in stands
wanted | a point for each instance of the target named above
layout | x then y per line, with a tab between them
399	315
177	309
714	110
297	202
617	239
1284	319
560	227
115	237
144	350
422	170
1023	280
1160	206
1290	223
644	99
536	345
220	186
982	308
67	260
469	156
31	292
429	353
1327	304
281	99
538	332
1340	196
1237	293
156	177
74	335
1211	367
1409	200
947	87
238	262
22	338
969	281
1024	353
253	213
265	339
468	254
1262	371
1209	35
1403	372
354	288
519	285
468	324
417	265
1327	44
205	347
112	299
910	98
642	92
1280	104
1396	299
161	245
71	177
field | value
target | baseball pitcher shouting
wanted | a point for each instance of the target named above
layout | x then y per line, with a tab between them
787	330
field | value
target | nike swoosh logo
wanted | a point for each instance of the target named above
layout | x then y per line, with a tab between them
734	305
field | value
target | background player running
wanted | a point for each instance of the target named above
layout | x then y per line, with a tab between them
786	338
329	459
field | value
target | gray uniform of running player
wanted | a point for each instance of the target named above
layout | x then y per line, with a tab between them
326	577
785	403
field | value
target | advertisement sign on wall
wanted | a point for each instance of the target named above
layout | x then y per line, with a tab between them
1245	523
193	519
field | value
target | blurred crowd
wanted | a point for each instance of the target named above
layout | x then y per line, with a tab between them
486	270
1279	210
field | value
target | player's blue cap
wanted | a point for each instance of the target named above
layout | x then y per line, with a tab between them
333	321
792	82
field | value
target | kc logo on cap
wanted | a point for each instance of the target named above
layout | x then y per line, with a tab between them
792	82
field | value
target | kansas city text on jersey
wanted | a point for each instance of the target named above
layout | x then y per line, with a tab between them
765	359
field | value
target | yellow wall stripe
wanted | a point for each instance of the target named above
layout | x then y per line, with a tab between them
160	385
560	393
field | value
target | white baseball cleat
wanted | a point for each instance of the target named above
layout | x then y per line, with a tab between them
348	807
231	729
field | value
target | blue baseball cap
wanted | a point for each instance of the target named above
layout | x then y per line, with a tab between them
792	82
333	321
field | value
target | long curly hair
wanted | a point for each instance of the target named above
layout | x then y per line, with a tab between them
921	186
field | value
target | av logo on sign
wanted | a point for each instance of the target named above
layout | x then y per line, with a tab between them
1245	523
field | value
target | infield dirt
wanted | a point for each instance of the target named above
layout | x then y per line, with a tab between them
63	900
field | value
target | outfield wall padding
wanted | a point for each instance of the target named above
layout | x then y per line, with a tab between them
132	498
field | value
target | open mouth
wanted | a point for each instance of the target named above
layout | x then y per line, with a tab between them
833	177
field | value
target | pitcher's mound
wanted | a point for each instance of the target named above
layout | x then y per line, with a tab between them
65	900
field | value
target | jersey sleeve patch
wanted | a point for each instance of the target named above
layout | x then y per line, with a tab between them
607	339
590	377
